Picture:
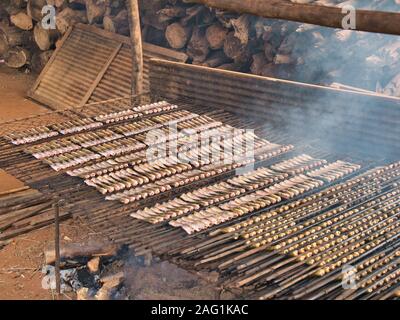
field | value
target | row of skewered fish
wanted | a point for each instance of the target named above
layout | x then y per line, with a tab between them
246	204
101	166
298	164
175	117
359	188
89	139
334	171
174	181
136	112
86	124
138	175
134	128
76	125
302	249
193	158
71	159
31	135
118	116
212	194
280	185
108	143
118	147
156	107
52	148
215	193
336	227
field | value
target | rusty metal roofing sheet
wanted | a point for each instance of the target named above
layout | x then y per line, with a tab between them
92	65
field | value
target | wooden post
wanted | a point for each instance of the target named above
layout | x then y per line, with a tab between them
136	47
366	20
57	246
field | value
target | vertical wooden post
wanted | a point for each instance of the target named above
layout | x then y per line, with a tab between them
136	47
57	246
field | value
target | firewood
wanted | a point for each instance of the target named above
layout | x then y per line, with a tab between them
19	4
22	21
269	70
39	60
57	3
323	15
198	48
93	265
215	35
258	64
283	59
116	4
83	294
118	23
75	251
216	59
177	35
152	20
152	6
171	13
69	17
45	38
11	37
155	36
110	285
191	13
225	18
234	49
17	57
269	51
4	17
95	10
241	26
231	66
150	15
34	9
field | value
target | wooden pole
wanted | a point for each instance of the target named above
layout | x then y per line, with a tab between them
366	20
57	246
137	49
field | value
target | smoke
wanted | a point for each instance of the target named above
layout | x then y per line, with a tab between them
349	124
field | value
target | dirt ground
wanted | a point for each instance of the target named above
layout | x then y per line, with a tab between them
21	260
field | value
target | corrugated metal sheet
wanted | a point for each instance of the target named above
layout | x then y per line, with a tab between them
343	115
116	81
92	65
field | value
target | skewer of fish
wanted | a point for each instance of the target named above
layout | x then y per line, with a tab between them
76	125
52	148
298	164
31	135
334	171
155	107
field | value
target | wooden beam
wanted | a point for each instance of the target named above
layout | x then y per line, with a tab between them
366	20
136	47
